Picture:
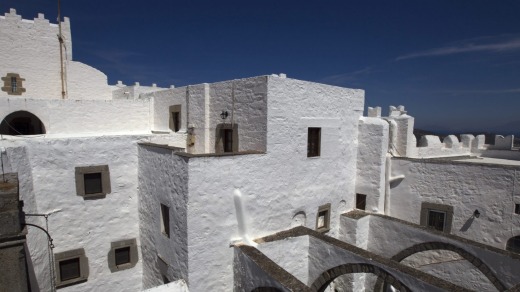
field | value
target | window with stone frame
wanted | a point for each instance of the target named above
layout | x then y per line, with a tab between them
313	142
13	84
226	138
437	216
323	218
92	181
123	255
71	267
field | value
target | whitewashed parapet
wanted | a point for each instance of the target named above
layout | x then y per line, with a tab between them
503	143
451	141
374	112
430	141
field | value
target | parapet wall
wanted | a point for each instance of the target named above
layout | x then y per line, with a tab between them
402	141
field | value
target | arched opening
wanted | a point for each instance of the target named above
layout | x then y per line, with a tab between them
513	244
322	283
21	123
430	246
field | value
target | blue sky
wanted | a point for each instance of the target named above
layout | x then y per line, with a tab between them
455	65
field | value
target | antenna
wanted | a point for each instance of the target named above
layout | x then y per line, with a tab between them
60	39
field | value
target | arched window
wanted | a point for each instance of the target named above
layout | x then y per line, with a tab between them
21	123
513	244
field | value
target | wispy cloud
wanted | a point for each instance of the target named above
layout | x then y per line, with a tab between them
483	44
480	91
349	77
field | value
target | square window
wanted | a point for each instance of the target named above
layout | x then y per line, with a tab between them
93	183
165	220
361	201
436	219
13	84
517	208
323	218
437	216
69	269
313	142
122	255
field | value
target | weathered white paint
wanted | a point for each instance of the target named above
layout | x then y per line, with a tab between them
292	254
163	179
49	187
492	189
177	286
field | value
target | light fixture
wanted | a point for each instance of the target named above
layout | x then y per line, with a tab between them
224	115
476	213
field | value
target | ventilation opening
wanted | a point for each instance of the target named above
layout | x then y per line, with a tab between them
21	123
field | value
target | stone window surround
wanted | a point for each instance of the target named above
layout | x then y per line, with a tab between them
447	209
83	266
134	257
326	224
80	171
8	87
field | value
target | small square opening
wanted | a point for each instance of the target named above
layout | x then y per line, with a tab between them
361	201
517	209
93	183
69	269
322	216
122	255
436	219
176	121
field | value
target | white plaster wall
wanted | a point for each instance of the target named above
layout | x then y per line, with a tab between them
84	117
196	104
177	286
161	102
277	185
78	223
31	49
491	189
85	82
291	254
371	158
249	111
163	179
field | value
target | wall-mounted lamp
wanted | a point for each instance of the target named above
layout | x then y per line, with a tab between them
224	115
476	213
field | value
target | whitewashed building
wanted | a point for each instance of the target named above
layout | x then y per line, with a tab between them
257	184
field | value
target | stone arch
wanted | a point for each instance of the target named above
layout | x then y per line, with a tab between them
266	289
21	123
427	246
513	244
321	283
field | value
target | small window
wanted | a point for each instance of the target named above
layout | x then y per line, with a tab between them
513	244
517	209
122	255
323	218
436	220
14	84
313	142
71	267
437	216
92	181
228	140
165	220
361	201
175	117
